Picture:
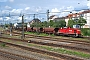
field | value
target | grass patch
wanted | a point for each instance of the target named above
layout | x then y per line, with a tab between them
40	34
8	40
30	33
1	29
43	34
19	42
80	39
2	44
62	50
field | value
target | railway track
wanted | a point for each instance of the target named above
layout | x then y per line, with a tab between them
75	41
44	52
51	44
59	39
14	56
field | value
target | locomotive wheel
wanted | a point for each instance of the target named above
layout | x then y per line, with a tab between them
75	35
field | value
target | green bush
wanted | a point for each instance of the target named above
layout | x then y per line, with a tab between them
85	31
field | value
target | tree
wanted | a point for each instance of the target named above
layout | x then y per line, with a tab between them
60	23
50	23
71	23
45	24
82	21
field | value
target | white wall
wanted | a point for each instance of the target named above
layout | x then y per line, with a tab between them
66	20
87	17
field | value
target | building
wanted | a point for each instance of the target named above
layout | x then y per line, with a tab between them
75	16
86	15
34	20
59	18
17	25
52	17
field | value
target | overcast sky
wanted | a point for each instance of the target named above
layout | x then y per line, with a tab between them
16	7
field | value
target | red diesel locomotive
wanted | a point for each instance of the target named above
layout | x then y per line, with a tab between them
74	32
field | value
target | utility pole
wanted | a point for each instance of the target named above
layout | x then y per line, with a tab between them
10	25
10	29
47	17
23	28
34	16
36	22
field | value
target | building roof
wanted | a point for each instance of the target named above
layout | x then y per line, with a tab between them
87	11
34	20
52	16
77	14
59	18
73	15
